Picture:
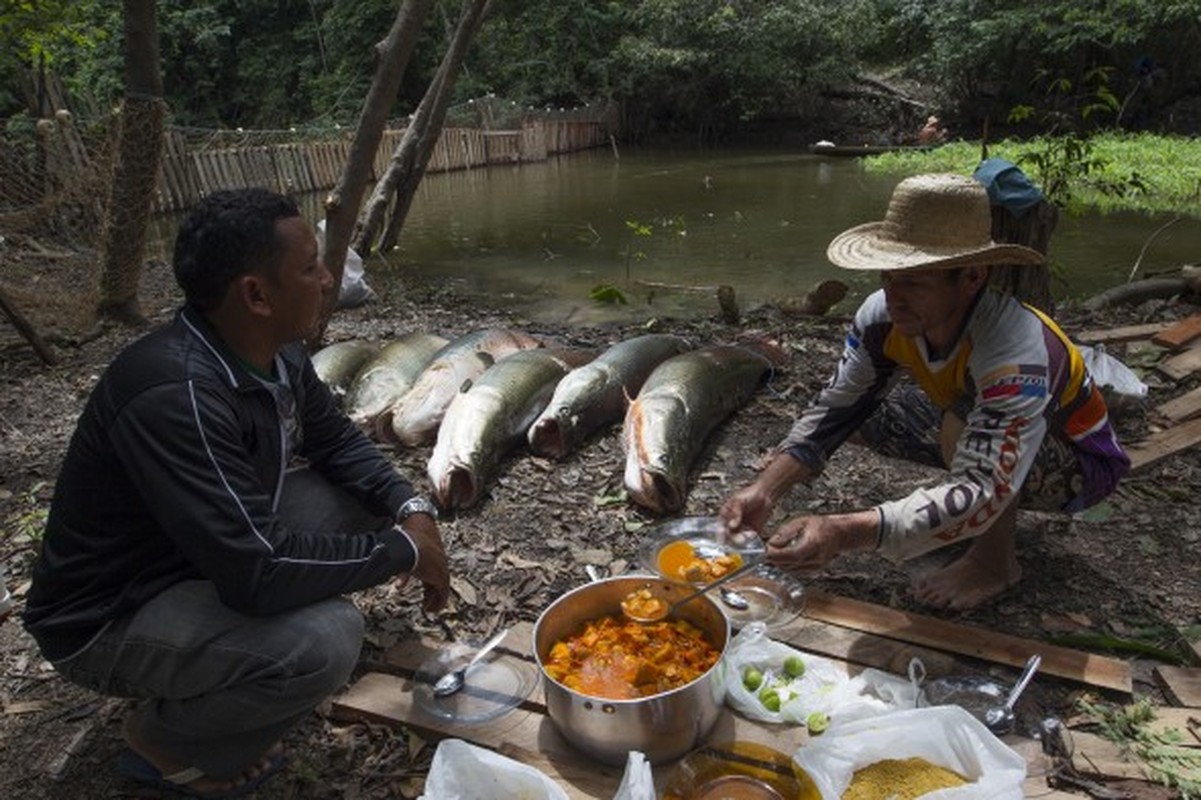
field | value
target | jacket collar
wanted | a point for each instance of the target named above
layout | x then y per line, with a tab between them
198	326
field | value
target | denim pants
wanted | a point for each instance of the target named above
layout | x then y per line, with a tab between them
221	687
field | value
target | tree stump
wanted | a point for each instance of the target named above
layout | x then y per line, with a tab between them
1033	229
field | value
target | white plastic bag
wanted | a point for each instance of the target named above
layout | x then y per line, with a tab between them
823	688
354	290
463	771
1109	372
946	736
637	783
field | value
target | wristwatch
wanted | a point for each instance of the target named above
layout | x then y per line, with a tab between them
416	505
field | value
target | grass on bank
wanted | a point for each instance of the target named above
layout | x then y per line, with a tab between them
1167	167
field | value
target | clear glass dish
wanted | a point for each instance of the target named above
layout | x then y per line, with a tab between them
707	536
491	687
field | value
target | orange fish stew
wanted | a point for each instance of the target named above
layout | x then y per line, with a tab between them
679	561
618	659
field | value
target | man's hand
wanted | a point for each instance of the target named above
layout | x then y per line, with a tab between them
431	567
747	509
809	542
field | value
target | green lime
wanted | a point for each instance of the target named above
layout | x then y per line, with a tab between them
770	699
752	678
794	667
818	721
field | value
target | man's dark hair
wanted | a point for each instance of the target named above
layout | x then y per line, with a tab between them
228	234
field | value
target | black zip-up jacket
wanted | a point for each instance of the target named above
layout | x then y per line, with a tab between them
173	473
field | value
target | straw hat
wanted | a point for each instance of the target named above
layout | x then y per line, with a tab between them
940	220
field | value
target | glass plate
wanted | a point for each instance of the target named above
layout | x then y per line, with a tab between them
738	770
773	597
491	687
708	537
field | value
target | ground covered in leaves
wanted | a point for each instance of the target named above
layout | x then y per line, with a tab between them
1126	571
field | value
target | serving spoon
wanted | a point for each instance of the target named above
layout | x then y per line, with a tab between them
660	609
452	681
1000	719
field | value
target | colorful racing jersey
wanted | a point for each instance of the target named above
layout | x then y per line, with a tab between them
1014	377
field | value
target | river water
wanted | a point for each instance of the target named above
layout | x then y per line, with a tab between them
666	226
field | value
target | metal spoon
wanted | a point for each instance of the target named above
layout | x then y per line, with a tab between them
452	681
734	599
663	610
1000	719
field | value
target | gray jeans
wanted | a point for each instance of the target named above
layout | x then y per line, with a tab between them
221	687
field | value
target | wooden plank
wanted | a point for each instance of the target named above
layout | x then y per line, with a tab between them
941	634
1186	721
1182	684
1176	336
1127	333
1183	408
1180	366
1159	446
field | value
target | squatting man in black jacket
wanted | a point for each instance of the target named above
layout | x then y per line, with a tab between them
184	562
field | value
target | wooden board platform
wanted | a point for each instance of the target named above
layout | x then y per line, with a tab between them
386	694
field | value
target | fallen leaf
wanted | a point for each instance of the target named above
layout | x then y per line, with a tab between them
1065	623
465	590
519	562
27	707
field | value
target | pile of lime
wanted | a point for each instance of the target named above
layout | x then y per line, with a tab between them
774	688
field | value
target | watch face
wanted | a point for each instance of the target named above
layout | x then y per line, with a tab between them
418	505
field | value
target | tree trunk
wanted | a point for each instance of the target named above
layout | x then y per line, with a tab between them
136	171
408	163
342	204
1033	229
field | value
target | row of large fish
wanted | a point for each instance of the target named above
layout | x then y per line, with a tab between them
480	396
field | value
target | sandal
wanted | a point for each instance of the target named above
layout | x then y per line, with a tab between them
135	767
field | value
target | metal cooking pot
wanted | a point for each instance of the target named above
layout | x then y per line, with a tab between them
664	726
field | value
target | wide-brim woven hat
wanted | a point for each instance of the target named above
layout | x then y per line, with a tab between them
938	220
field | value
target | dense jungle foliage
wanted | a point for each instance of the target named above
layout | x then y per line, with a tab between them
696	66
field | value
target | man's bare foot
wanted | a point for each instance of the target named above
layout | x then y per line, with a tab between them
966	583
192	780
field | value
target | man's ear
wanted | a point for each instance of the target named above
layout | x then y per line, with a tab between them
975	276
252	294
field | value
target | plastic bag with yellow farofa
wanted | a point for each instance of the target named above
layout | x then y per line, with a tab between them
945	736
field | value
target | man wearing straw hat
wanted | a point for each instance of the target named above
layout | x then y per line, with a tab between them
940	368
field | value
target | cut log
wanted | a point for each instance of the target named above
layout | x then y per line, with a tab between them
26	330
1138	292
1176	336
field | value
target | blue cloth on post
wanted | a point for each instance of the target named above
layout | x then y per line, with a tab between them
1007	185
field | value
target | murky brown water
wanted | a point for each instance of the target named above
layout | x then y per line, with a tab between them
545	234
541	236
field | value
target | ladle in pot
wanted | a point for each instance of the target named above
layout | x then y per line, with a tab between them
653	609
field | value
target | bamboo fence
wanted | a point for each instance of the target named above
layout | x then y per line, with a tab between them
188	173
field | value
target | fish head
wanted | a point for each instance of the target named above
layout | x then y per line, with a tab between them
658	453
